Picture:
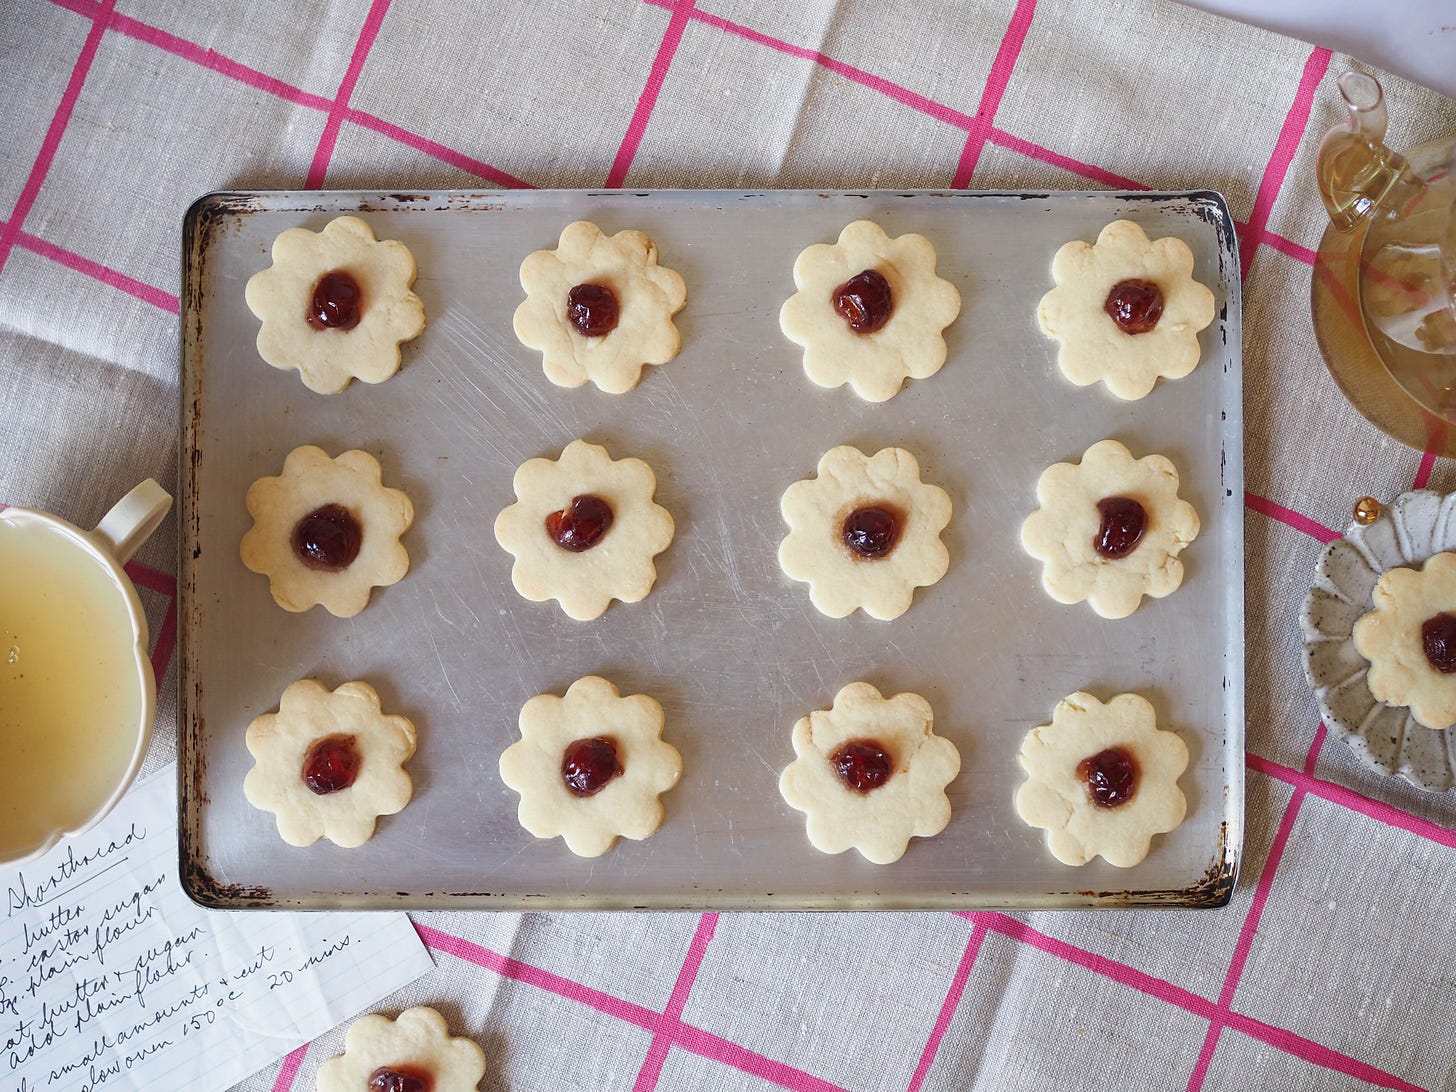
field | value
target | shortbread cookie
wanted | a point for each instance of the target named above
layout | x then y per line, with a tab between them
870	311
591	766
1102	779
326	531
329	764
336	304
1410	640
584	530
1126	310
865	533
870	773
380	1053
599	307
1110	529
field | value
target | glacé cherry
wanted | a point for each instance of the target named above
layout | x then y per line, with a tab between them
871	531
862	764
328	538
401	1078
589	764
1438	640
331	764
1135	306
1111	777
336	303
581	525
593	309
864	301
1123	522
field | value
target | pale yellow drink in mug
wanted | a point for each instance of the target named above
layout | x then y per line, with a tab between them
77	694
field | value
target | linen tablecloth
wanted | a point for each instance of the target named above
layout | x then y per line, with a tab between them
1335	965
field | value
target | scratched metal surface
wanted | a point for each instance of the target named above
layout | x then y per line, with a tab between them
731	648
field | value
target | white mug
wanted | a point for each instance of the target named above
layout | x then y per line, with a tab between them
77	695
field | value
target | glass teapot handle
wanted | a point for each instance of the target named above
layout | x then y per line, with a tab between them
1357	172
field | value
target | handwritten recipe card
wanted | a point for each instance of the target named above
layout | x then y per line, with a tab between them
111	978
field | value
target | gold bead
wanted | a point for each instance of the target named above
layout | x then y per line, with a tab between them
1367	511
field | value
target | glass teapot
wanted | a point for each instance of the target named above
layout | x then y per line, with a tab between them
1385	277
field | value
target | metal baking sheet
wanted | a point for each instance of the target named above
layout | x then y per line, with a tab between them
731	647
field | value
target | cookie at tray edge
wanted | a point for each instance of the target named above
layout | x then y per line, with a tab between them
417	1043
870	311
1126	310
336	304
1409	637
1102	779
590	766
870	773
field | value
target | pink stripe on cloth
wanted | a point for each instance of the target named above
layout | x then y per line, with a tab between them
996	83
166	644
1377	810
144	576
1289	247
292	1063
716	1048
52	141
671	39
147	293
1290	518
435	150
1003	139
1428	463
949	1005
657	1053
1290	136
1317	1053
325	151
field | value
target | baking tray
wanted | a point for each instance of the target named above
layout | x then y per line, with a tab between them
731	647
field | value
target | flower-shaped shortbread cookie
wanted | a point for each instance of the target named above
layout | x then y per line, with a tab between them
329	764
584	530
865	532
870	773
1110	529
870	311
1126	310
1410	640
1102	779
599	307
590	766
336	304
417	1044
326	531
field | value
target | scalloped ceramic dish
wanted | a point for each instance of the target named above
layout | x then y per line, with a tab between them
1415	527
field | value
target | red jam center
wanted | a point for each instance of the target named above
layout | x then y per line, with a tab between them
862	764
1123	522
1111	777
589	764
581	525
1135	306
401	1078
593	309
328	538
332	763
336	302
871	531
864	301
1438	639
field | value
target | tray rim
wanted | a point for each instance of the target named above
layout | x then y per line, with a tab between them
1213	890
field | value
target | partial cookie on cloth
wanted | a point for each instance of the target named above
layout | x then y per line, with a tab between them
870	773
590	766
1110	529
1126	310
599	308
1102	779
864	533
1410	640
870	311
335	304
380	1053
326	531
584	530
329	764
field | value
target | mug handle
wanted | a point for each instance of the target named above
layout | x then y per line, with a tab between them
132	520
